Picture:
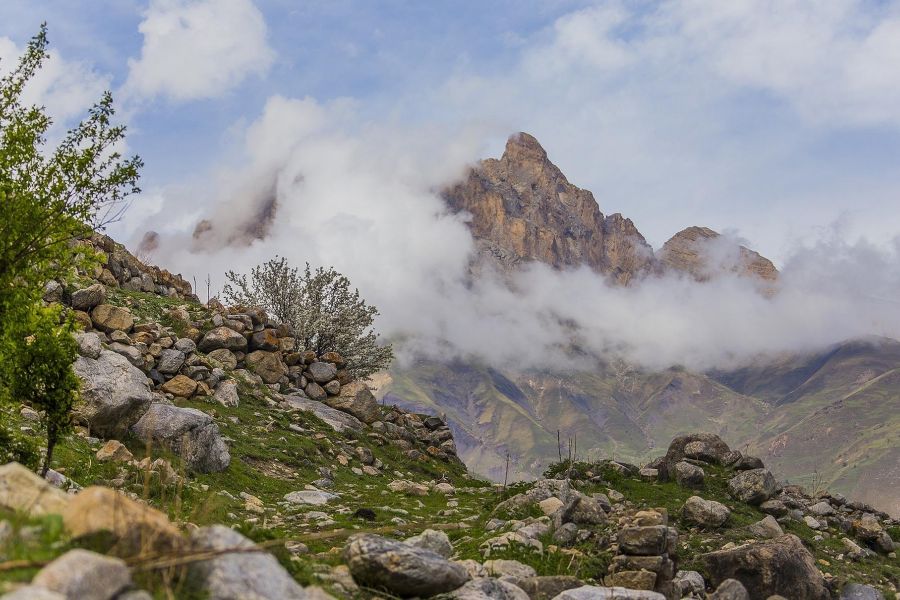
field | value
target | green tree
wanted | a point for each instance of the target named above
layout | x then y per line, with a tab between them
50	197
326	313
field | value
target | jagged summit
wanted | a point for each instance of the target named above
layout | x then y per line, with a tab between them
702	252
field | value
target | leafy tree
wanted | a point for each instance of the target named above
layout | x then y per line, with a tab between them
50	197
327	316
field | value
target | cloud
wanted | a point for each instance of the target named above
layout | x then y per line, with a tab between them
196	49
364	198
66	88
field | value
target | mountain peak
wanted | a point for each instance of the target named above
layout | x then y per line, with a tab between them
702	252
524	147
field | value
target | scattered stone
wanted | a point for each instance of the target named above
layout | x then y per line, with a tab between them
322	372
180	386
730	589
753	487
643	541
267	365
502	567
548	586
114	451
706	513
223	338
689	584
109	318
488	588
337	420
88	344
767	528
410	488
550	505
689	476
84	575
821	509
593	592
227	393
436	541
241	574
190	433
311	497
858	591
114	394
224	356
401	569
170	361
776	508
24	491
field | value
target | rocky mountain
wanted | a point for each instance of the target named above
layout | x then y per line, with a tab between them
699	252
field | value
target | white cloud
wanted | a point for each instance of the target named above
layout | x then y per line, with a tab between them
65	87
195	49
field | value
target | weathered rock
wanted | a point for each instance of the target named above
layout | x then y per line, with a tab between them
322	372
134	527
548	586
858	591
88	344
745	463
114	451
129	352
779	566
689	476
227	393
870	530
311	497
24	491
767	528
550	505
87	298
224	356
776	508
435	541
170	361
357	400
222	338
190	433
487	588
244	574
83	575
643	541
694	251
315	391
110	318
181	386
710	446
266	340
593	592
706	513
730	589
338	420
114	394
410	488
267	365
503	567
753	487
689	584
401	569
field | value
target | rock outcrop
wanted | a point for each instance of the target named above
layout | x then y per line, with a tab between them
702	253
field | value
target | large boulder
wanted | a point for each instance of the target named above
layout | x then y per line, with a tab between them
705	513
401	569
267	365
266	340
190	433
242	574
782	566
134	527
356	399
84	575
593	592
336	419
322	372
222	338
87	298
436	541
110	318
753	487
23	491
114	393
702	446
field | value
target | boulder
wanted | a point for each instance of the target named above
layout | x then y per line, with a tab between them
780	566
170	361
185	345
753	487
436	541
267	365
114	451
180	386
487	588
337	420
548	586
134	526
190	433
315	391
266	340
399	568
227	393
689	476
767	528
643	541
241	574
710	447
858	591
705	513
24	491
222	338
356	399
88	344
87	298
84	575
109	318
224	356
311	497
503	567
114	394
410	488
322	372
593	592
730	589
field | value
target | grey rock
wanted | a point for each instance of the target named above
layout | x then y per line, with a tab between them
753	487
241	575
224	356
401	569
337	420
357	400
88	344
689	476
745	463
190	433
593	592
114	393
53	291
436	541
322	372
712	449
315	391
185	345
487	588
858	591
706	513
767	528
643	541
689	583
730	589
170	361
227	393
821	509
311	497
83	575
132	354
223	337
776	508
87	298
547	586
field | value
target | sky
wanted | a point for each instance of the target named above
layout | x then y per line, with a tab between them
776	122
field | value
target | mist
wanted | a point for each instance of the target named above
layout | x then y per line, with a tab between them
316	185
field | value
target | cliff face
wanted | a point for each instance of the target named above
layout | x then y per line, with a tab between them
524	209
702	253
